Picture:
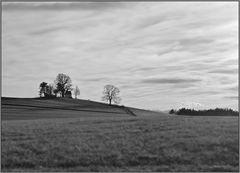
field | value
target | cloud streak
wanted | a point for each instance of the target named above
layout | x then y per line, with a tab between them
60	6
225	71
169	81
232	97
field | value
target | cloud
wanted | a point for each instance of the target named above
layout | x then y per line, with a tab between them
45	30
225	71
190	105
21	78
50	6
150	21
205	92
231	97
195	41
169	81
92	79
142	69
233	88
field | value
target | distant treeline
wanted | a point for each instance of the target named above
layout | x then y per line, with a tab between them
209	112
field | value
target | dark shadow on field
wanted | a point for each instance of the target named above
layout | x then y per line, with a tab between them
126	109
39	108
58	108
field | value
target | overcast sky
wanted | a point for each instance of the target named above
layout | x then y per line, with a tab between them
160	55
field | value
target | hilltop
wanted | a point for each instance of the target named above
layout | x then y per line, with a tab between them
39	108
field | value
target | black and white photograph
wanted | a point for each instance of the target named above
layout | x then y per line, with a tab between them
124	86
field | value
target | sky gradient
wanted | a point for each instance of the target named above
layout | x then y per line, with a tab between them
160	55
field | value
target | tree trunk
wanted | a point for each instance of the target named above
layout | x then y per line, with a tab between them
110	101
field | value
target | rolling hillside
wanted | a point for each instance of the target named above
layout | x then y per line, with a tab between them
80	135
40	108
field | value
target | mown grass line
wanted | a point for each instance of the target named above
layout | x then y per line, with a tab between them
62	108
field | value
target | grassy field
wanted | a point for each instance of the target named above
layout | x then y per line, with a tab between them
67	138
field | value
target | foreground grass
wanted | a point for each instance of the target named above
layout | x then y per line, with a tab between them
153	143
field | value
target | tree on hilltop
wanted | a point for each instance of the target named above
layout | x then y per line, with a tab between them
63	83
49	90
110	94
46	90
42	89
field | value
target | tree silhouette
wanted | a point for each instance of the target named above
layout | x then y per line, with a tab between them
49	90
46	90
171	111
63	83
110	94
42	88
209	112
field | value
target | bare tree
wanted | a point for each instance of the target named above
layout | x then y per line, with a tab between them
63	83
110	94
76	92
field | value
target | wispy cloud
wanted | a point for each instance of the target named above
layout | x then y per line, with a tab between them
233	88
47	30
46	6
225	71
232	97
169	81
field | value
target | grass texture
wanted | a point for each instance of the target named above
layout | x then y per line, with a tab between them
119	142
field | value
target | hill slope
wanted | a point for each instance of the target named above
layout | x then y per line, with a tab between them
38	108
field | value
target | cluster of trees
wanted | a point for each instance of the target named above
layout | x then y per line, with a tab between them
46	90
209	112
62	87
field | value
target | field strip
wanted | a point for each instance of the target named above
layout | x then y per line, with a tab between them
46	107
